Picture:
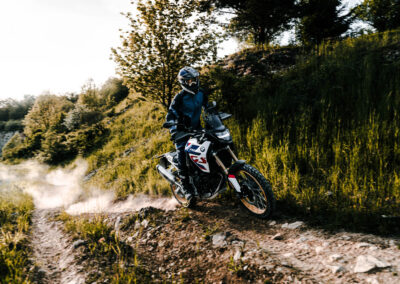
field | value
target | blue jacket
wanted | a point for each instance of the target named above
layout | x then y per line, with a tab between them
186	109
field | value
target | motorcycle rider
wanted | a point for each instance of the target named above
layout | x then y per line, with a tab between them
185	109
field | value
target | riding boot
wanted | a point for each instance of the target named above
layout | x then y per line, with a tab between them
187	188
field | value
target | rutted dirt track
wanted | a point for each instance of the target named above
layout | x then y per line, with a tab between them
220	243
54	256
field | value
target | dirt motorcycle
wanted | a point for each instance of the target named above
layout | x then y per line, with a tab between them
212	164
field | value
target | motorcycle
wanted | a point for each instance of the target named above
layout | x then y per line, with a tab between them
212	164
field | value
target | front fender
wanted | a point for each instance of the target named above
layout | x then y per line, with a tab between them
237	166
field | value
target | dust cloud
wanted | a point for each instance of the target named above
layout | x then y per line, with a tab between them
63	188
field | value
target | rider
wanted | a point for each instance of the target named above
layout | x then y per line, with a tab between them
185	110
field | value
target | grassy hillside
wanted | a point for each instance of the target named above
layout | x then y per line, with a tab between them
326	131
125	163
15	219
323	127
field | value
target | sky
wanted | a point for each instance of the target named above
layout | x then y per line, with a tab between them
57	45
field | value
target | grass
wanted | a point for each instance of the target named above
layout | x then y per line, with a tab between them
326	132
125	162
103	243
15	220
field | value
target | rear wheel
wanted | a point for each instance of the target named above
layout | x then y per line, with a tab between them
258	196
181	199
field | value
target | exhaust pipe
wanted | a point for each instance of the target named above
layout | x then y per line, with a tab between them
166	174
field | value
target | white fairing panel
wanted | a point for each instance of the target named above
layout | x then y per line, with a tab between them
198	153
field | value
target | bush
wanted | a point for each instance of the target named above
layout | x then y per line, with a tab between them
13	125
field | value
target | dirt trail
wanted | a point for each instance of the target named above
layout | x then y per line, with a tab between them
220	243
53	254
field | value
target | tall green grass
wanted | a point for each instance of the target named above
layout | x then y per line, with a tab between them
15	219
125	163
326	132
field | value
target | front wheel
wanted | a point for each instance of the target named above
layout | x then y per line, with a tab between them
182	200
258	197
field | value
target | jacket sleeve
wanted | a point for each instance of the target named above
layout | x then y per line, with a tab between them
174	112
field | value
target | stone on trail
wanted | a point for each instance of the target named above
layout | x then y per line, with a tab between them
218	240
278	237
336	269
78	243
362	245
237	255
335	257
145	223
293	226
366	263
319	249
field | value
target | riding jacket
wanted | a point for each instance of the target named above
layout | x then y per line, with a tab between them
186	109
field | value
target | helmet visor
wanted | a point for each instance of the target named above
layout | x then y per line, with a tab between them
191	82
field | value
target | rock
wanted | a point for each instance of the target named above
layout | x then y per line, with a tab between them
289	254
346	238
373	248
366	263
293	226
218	240
272	223
318	250
372	280
336	269
335	257
237	255
302	239
78	243
117	224
362	245
137	225
278	237
145	223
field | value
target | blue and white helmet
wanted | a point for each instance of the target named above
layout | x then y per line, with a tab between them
188	77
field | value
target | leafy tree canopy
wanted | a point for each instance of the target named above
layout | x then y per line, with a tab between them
381	14
48	112
321	19
164	36
255	20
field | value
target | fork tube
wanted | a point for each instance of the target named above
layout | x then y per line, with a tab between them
219	162
233	154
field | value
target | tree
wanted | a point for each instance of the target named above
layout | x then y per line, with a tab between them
47	113
321	19
113	91
165	35
255	20
381	14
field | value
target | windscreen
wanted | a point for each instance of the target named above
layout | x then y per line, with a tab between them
214	122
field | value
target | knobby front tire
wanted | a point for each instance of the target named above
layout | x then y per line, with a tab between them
259	200
182	200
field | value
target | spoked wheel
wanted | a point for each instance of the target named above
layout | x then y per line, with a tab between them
258	196
182	200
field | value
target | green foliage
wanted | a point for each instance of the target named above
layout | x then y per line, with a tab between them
114	91
15	219
165	35
321	19
125	163
326	132
11	125
15	110
81	116
381	14
103	242
46	113
258	21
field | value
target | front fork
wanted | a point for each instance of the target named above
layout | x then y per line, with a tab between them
232	170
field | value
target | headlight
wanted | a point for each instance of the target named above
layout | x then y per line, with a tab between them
224	135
